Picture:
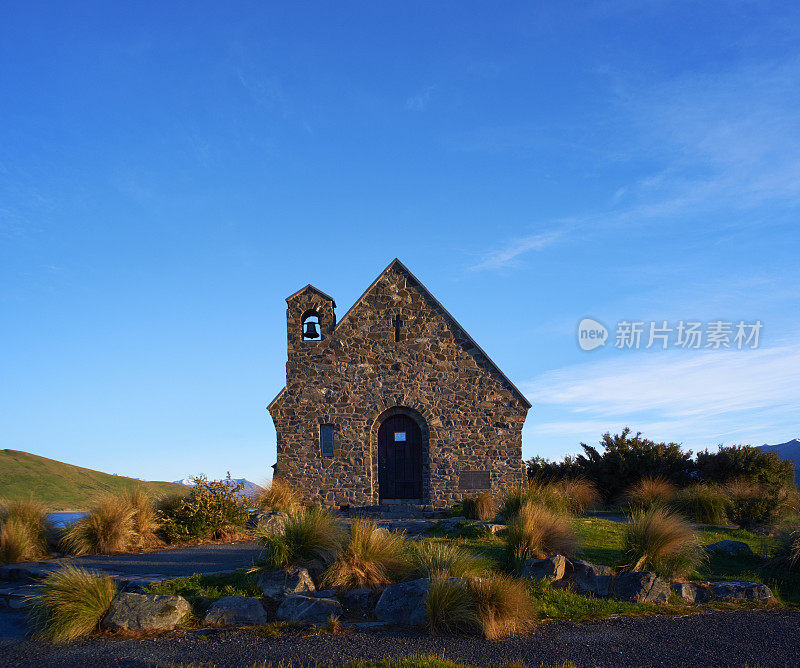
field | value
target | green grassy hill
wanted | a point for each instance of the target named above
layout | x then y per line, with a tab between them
62	486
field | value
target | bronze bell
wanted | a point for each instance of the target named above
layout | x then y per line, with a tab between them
310	331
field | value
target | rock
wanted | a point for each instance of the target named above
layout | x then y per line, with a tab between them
276	585
730	548
644	587
451	523
299	608
738	590
551	568
587	578
145	612
688	592
270	522
325	593
235	611
359	601
404	603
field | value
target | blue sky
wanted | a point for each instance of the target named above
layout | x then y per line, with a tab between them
170	172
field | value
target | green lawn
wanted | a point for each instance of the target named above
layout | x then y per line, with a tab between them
601	541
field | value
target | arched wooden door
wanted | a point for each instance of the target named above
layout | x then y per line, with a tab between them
399	458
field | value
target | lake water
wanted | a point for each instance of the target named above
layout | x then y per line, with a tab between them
62	519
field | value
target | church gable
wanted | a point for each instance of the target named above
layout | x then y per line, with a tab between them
398	308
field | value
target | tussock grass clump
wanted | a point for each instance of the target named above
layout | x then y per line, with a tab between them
649	493
494	606
663	542
788	551
580	494
108	527
308	535
371	557
145	519
280	496
536	532
481	507
431	558
704	504
23	531
70	603
550	495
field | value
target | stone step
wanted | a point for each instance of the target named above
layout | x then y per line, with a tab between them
26	572
15	596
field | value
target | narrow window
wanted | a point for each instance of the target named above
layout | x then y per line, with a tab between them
397	324
326	440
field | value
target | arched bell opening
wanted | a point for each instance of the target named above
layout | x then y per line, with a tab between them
310	326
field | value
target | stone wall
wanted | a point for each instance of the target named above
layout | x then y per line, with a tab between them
471	416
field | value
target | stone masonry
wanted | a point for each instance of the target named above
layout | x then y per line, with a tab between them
470	415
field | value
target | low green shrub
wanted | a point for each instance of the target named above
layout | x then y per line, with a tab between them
663	542
370	558
481	507
70	603
23	531
704	504
213	509
757	505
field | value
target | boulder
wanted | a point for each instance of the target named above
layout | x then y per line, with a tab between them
359	601
688	592
404	603
730	548
737	590
299	608
235	611
325	593
551	568
145	612
276	585
270	522
644	587
587	578
451	523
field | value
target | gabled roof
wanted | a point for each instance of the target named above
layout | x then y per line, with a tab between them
311	288
396	264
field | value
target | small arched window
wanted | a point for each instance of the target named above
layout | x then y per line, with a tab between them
311	330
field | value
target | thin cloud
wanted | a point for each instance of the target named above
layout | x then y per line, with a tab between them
420	102
508	255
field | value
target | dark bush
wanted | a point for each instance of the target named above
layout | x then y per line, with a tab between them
744	463
625	459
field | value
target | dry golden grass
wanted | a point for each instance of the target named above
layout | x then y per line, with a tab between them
580	494
649	493
431	558
280	496
108	527
704	504
663	542
482	507
146	522
537	532
23	530
70	603
494	606
308	535
370	558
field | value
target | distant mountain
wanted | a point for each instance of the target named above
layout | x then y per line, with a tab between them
250	488
787	451
61	486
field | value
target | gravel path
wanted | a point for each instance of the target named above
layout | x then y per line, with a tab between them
176	563
721	638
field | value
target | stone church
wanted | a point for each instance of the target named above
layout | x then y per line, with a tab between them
393	403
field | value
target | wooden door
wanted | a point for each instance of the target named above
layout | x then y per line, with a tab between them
399	458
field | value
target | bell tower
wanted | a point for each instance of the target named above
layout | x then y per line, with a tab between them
310	319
